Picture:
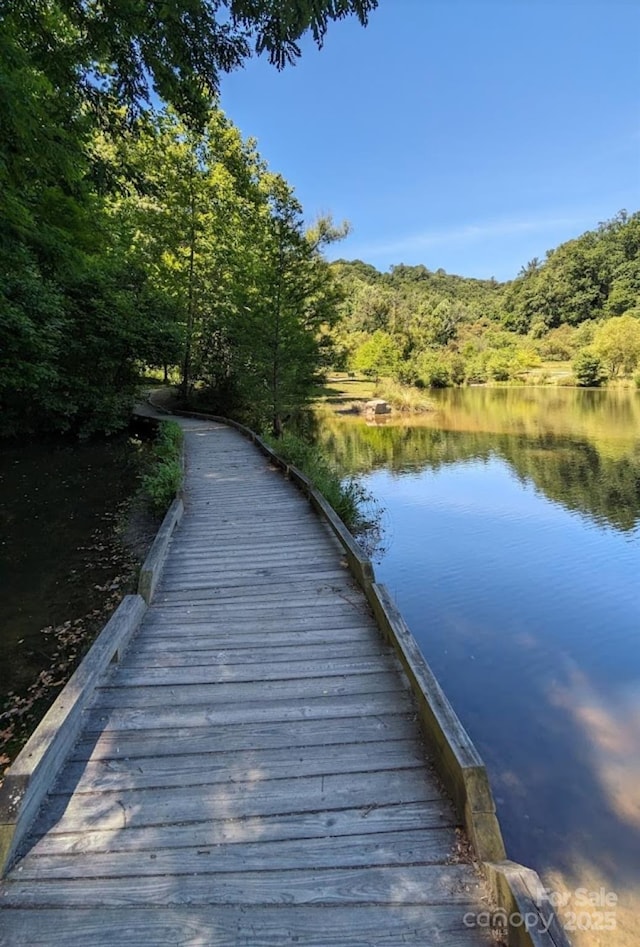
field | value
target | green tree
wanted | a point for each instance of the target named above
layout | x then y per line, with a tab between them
222	238
559	344
500	365
595	274
588	369
432	370
617	343
379	355
83	300
281	335
191	224
75	311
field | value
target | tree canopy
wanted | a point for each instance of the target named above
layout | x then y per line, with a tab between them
125	51
139	228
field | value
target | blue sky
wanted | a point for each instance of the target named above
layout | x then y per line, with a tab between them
471	135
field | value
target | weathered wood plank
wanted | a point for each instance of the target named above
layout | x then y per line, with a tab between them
337	823
211	550
252	713
154	563
269	595
310	733
251	701
158	807
522	893
223	767
243	525
222	926
252	583
288	538
220	672
151	655
288	510
212	546
301	569
409	847
304	526
205	636
321	621
339	607
411	884
289	692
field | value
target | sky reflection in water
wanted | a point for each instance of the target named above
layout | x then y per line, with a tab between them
512	545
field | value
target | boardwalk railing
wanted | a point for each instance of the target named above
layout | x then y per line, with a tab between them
30	776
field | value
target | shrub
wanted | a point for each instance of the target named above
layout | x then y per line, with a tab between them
433	372
587	367
164	477
457	368
476	369
405	398
559	345
500	365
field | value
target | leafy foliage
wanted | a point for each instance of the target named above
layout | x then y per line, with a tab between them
164	478
617	343
119	52
221	237
134	238
588	370
378	355
432	329
345	495
595	275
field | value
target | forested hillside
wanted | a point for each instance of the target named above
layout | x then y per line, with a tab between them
581	304
138	229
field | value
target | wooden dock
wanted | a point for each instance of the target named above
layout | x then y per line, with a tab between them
251	772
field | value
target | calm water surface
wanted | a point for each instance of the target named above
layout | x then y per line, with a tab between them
512	545
55	499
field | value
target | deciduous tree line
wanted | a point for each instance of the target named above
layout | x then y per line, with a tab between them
580	305
134	236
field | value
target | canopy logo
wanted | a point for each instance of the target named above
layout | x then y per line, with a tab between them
582	910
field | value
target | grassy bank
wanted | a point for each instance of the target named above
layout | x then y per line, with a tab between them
348	394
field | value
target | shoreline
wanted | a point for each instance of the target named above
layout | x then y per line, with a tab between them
406	399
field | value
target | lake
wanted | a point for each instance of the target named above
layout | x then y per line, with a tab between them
511	543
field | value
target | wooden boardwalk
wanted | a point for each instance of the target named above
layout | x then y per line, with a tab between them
252	772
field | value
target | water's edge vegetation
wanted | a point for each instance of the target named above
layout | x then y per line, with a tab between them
344	493
163	479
